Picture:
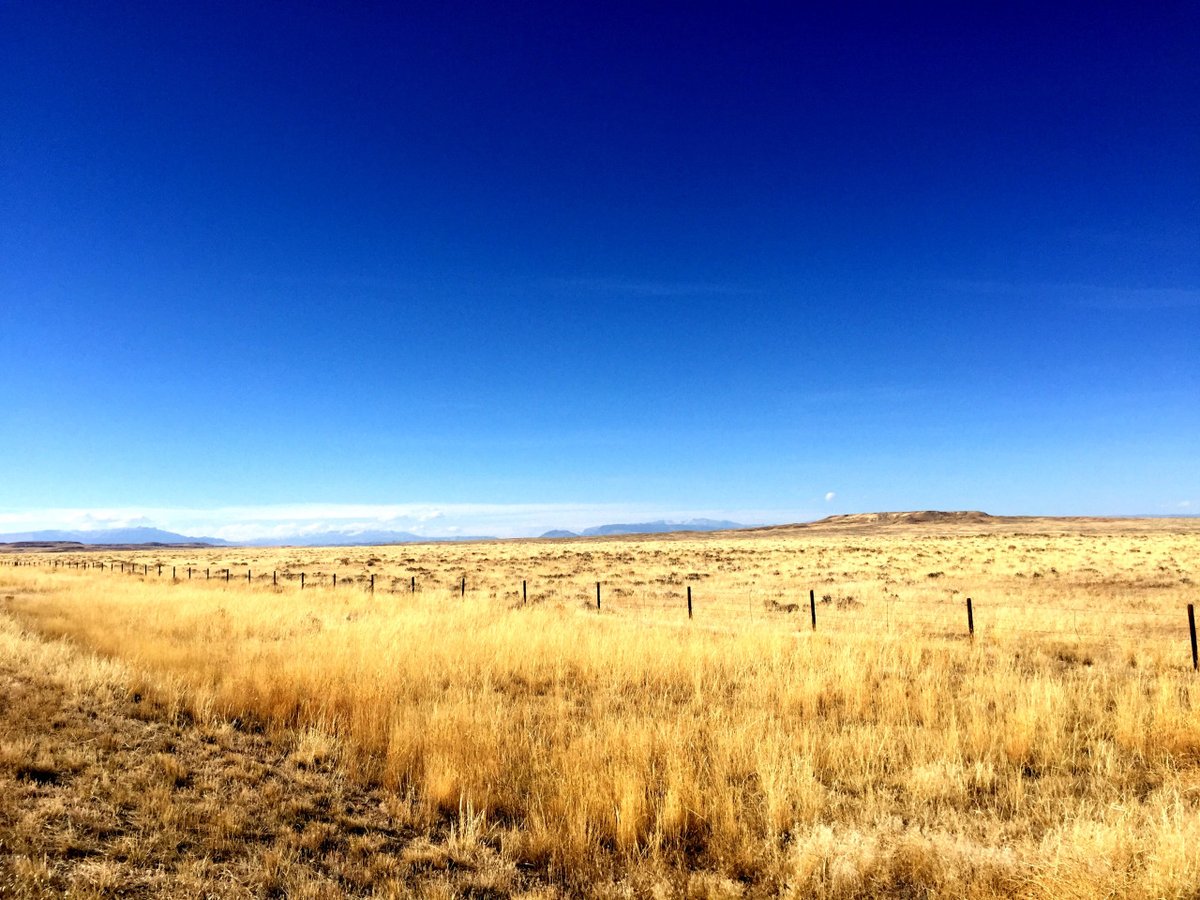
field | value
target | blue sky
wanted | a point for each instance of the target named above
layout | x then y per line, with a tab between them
747	261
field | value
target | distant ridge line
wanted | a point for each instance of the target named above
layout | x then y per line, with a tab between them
973	517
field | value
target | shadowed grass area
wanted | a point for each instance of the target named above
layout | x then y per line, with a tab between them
103	794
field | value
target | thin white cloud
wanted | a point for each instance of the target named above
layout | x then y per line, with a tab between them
829	496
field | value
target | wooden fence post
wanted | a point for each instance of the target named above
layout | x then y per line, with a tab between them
247	576
172	573
301	581
463	588
970	619
275	578
524	593
160	570
412	584
1192	630
597	596
227	576
207	575
335	579
372	582
812	607
689	601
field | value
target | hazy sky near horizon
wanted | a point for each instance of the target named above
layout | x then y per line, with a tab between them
655	259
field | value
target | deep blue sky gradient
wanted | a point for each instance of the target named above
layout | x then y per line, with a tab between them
709	257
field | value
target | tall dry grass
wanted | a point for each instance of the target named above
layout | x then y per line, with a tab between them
883	754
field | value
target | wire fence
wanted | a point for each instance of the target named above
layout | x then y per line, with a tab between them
825	612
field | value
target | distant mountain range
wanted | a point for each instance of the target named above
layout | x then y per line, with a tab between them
659	527
158	536
110	536
143	535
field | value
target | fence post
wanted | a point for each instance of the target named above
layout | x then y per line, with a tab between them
812	607
247	576
372	582
463	589
597	596
145	569
172	573
189	573
160	570
689	601
301	581
335	579
524	593
206	575
413	584
227	576
1192	629
275	578
970	619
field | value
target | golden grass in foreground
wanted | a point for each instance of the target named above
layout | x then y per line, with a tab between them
609	750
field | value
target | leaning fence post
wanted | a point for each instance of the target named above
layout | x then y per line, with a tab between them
689	601
812	607
970	619
1192	630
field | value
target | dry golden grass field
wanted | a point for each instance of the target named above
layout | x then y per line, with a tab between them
235	736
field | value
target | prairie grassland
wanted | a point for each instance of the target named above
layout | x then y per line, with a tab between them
629	750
